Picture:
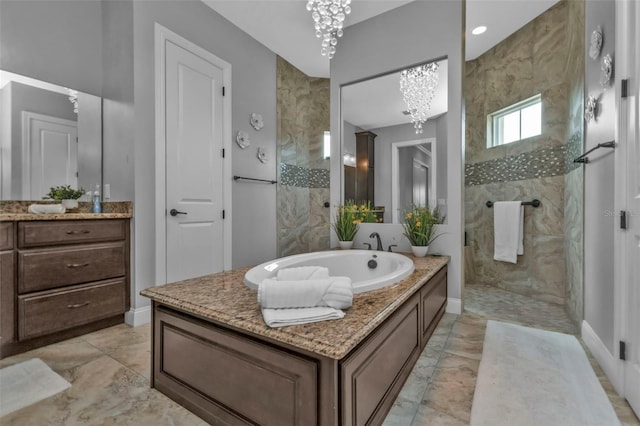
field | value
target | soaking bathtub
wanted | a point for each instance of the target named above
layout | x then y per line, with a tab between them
368	269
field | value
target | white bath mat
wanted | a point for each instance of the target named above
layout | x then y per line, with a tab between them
531	377
26	383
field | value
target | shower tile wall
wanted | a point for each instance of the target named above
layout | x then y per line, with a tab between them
533	60
574	179
303	172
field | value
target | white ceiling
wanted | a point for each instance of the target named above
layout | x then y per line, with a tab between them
286	27
378	102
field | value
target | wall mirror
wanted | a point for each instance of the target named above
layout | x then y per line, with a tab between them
50	135
385	162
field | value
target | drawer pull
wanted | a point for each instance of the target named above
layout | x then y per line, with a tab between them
77	265
77	305
84	231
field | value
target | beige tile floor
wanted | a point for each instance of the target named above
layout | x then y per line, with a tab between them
109	371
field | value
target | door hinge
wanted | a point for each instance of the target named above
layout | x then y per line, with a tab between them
624	88
223	214
223	90
623	350
222	152
623	219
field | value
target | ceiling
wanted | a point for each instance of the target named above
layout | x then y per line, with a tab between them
286	27
378	102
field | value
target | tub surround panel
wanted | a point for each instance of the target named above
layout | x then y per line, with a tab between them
234	304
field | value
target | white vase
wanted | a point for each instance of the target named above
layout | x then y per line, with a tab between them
345	245
70	204
419	251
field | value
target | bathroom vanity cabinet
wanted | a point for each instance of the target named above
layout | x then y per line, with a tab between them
60	279
218	359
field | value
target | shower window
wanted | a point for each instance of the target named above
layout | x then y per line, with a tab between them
519	121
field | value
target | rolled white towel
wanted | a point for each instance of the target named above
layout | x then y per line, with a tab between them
303	273
46	209
284	317
335	292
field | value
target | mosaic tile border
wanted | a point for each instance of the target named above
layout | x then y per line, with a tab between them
303	177
544	162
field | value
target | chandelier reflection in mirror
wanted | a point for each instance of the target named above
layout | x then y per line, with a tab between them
329	16
418	86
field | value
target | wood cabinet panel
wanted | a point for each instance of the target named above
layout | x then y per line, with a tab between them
43	269
44	233
433	302
47	312
268	386
7	296
6	235
379	365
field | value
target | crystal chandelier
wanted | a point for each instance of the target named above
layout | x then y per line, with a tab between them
418	86
329	16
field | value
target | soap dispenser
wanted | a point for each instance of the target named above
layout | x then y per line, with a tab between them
96	206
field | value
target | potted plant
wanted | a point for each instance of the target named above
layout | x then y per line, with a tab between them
346	224
420	226
349	216
67	195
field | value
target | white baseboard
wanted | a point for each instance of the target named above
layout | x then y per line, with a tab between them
454	306
606	359
136	317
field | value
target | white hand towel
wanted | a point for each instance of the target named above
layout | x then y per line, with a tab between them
303	273
284	317
508	220
335	292
46	209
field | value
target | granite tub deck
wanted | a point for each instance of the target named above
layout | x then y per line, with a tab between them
212	351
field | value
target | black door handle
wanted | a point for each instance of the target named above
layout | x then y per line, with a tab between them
174	212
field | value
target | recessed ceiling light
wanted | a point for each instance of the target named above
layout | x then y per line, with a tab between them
479	30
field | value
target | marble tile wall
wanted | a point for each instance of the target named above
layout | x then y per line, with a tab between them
303	173
539	58
574	179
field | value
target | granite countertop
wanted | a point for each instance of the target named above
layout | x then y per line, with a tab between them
224	298
18	210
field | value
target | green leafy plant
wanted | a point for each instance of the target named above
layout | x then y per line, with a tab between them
420	225
349	217
64	192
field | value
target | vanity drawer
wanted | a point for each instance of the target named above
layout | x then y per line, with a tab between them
47	312
45	269
6	235
44	233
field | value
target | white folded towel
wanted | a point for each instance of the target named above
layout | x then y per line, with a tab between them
508	224
334	292
284	317
303	273
46	209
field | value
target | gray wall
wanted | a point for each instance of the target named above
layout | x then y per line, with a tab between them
59	41
118	112
69	49
599	223
365	51
253	90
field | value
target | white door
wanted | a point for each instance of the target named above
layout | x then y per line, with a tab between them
194	169
420	183
629	135
50	154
